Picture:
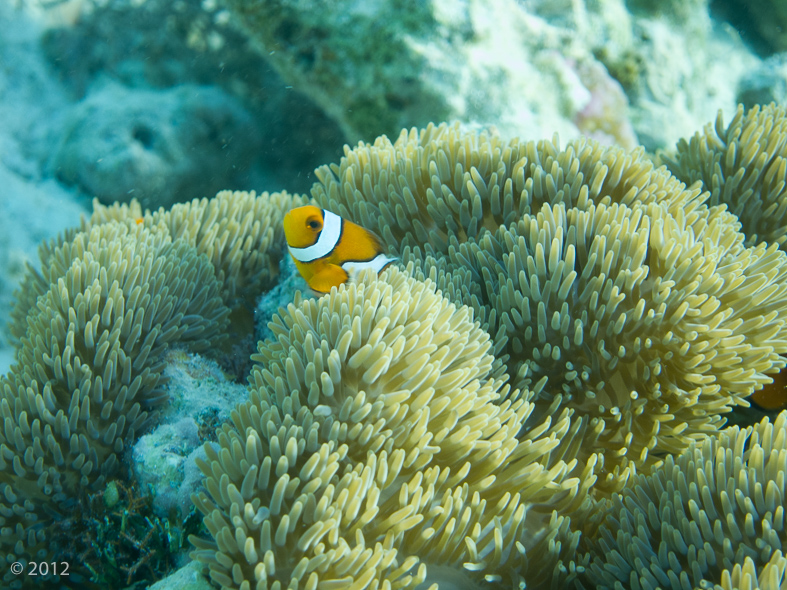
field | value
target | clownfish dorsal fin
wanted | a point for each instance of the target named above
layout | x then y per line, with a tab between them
378	242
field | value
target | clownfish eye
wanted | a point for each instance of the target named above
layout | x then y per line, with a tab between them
313	224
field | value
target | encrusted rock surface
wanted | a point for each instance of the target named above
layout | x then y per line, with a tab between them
160	147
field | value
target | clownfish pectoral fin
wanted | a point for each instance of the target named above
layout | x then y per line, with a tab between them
330	276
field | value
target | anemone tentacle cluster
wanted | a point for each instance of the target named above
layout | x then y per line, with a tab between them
91	327
443	186
712	515
743	166
633	329
239	231
554	362
606	283
375	442
88	371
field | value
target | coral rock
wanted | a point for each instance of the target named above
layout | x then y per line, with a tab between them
157	147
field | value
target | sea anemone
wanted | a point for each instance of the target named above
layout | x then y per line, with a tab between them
628	315
744	166
608	286
88	371
443	186
712	515
239	231
377	450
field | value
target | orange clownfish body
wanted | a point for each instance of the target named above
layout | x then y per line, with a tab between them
329	250
773	396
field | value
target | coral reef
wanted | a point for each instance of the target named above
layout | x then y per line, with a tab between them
534	397
488	62
504	63
765	84
156	146
186	578
677	65
159	45
159	464
712	515
520	65
163	460
765	22
605	116
113	540
290	281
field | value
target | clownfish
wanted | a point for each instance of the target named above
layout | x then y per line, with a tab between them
773	396
329	250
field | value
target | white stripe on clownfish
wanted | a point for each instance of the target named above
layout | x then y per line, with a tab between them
329	236
378	263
